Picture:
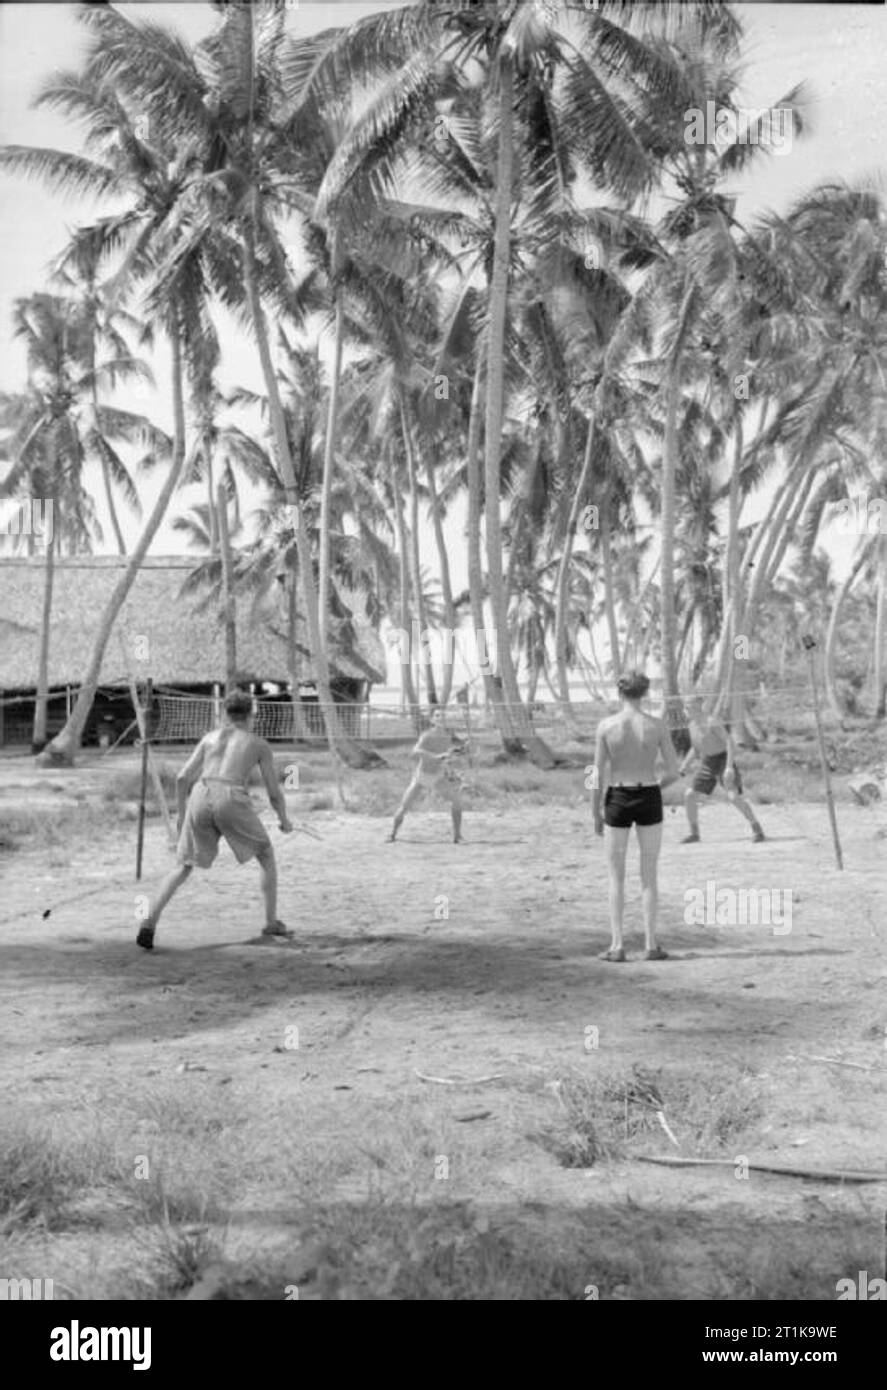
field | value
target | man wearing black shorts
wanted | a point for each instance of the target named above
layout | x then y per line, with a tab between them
628	746
712	744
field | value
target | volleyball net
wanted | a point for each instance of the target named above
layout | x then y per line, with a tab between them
180	718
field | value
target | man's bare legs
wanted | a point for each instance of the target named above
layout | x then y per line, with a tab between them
268	884
692	802
736	799
170	885
617	846
650	841
410	797
450	791
456	813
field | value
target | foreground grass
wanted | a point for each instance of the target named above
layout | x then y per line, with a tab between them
178	1193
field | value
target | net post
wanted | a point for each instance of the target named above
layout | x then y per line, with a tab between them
810	646
143	788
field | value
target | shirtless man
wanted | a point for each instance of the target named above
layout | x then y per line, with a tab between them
433	749
712	743
213	800
628	745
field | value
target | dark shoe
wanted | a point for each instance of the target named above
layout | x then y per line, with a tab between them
657	953
757	835
145	938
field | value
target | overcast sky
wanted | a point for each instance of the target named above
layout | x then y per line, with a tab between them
839	50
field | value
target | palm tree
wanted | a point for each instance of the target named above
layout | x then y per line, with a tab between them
223	105
148	169
521	49
77	272
50	442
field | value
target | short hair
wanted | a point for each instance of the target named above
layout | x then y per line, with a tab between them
633	685
239	706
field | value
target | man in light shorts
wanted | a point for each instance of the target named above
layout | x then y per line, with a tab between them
432	751
213	801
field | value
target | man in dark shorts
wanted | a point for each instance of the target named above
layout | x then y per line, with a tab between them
629	744
712	743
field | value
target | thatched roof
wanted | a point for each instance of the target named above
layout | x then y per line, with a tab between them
185	638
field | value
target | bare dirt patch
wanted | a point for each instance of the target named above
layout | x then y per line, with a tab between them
166	1138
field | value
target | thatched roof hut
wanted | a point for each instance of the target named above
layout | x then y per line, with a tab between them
182	637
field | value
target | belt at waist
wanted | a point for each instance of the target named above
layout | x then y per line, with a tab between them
635	786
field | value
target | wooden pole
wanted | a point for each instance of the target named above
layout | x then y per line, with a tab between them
228	591
143	790
143	734
810	645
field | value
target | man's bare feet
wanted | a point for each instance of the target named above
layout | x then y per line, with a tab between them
390	839
691	839
276	929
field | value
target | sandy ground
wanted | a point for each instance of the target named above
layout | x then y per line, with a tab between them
468	962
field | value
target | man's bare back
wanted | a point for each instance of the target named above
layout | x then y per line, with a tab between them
632	741
231	754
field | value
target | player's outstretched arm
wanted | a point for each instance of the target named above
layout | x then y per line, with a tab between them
272	786
601	772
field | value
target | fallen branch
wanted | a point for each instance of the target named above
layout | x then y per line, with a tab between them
836	1062
458	1080
819	1174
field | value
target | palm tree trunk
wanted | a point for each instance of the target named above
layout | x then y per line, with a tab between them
340	745
498	303
561	583
38	740
112	509
106	471
329	450
492	693
292	650
668	616
445	581
731	578
831	689
64	747
609	596
673	712
880	616
406	667
424	653
230	611
766	569
634	619
211	493
760	544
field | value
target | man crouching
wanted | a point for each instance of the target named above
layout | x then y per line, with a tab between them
214	801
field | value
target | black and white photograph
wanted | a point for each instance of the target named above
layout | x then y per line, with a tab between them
443	668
